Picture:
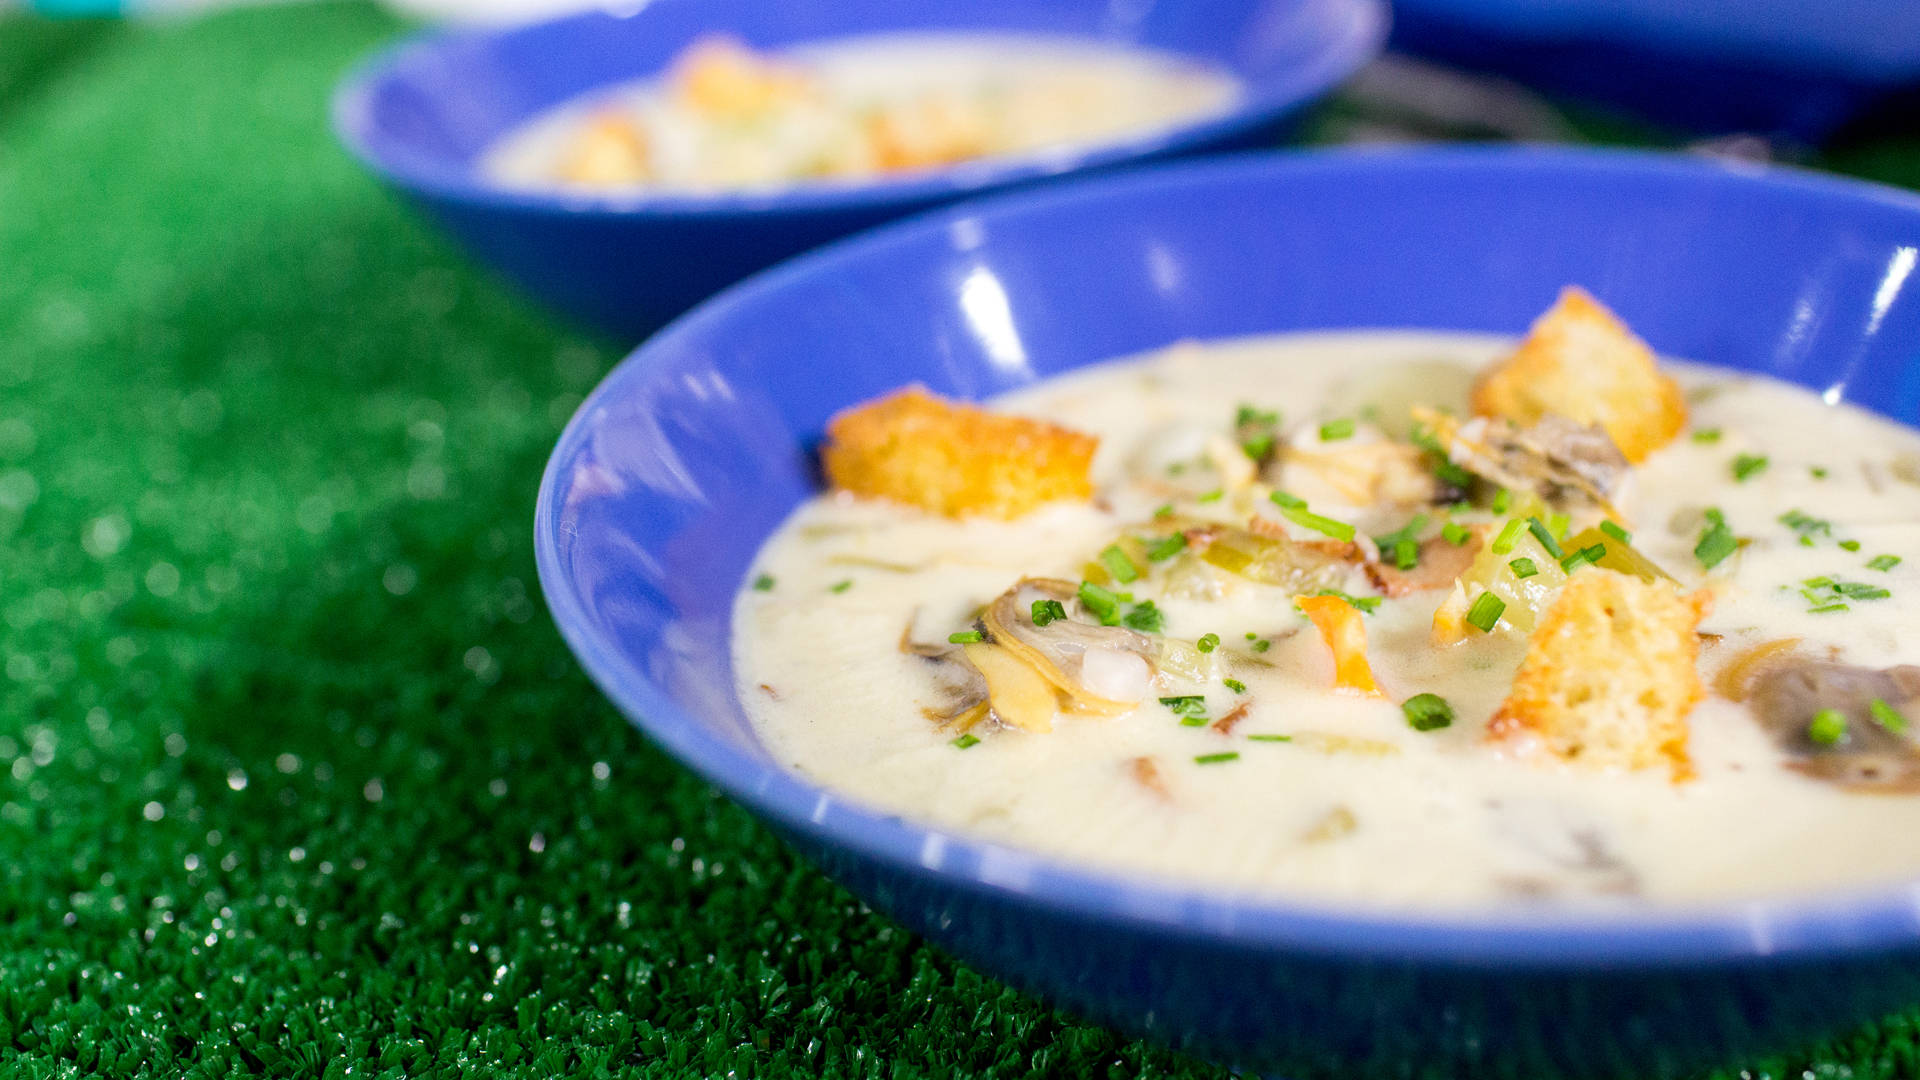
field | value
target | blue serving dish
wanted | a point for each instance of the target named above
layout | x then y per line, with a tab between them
421	114
1774	67
694	449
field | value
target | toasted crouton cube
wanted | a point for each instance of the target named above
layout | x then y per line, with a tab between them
914	447
721	77
1608	678
1581	362
609	151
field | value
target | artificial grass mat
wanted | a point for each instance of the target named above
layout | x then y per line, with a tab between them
295	776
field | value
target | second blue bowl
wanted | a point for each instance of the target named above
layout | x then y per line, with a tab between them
422	114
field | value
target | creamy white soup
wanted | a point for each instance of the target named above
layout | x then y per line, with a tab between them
1238	759
725	117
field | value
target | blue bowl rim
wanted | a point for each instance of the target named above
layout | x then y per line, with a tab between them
1792	928
1263	104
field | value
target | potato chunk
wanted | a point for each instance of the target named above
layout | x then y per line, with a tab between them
1581	362
953	459
1609	675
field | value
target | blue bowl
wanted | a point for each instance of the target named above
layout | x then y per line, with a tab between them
1776	67
695	448
422	114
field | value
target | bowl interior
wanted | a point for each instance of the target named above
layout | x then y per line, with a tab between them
428	109
691	452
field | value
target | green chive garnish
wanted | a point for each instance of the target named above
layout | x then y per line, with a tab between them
1216	759
1819	472
1509	536
1887	716
1541	533
1746	465
1048	611
1257	447
1145	618
1164	511
1403	544
966	741
1211	496
1118	564
1269	738
1100	603
1849	545
1427	712
1707	436
1334	430
1486	611
1585	556
763	583
1612	528
966	637
1186	704
1559	523
1883	562
841	586
1261	645
1716	541
1294	509
1502	501
1167	547
1456	533
1827	727
1235	685
1523	568
1207	642
1824	608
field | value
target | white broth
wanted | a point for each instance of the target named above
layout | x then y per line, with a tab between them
1358	807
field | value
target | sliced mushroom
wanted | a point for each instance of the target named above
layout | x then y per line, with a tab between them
1556	458
1868	755
1103	670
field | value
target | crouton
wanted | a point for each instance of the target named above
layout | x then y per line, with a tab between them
609	151
721	77
1608	678
956	460
1581	362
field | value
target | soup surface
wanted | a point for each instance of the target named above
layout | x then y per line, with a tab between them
1245	766
724	117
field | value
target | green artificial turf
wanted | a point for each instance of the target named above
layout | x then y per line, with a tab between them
295	776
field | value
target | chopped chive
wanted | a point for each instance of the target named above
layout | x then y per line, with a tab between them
1216	759
1824	608
1186	704
763	583
1827	727
1118	564
1164	511
1439	461
1883	562
1584	557
1048	611
966	637
1167	547
1404	543
1502	501
1334	430
1706	436
1211	496
965	742
1247	414
1194	721
1818	583
1509	536
1541	533
1427	712
1854	590
1294	509
1176	468
1746	465
1269	738
1887	716
1849	545
1257	447
1146	618
1523	568
1486	611
1456	533
1207	642
1235	685
1716	541
1100	603
1613	529
1251	635
1460	507
1806	525
1559	523
1406	554
1261	645
841	586
1819	471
